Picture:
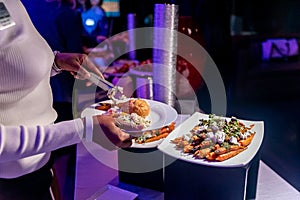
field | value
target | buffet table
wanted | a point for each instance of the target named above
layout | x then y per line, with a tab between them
100	180
92	176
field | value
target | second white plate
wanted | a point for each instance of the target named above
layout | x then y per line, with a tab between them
239	160
161	114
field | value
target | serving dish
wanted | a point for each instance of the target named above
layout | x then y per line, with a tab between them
239	160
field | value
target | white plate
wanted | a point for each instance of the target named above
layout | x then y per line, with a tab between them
91	111
161	114
239	160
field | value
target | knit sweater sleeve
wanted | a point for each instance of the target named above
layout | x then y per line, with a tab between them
33	140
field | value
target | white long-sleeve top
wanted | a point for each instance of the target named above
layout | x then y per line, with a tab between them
27	132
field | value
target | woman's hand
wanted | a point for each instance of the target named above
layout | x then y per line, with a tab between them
77	64
108	135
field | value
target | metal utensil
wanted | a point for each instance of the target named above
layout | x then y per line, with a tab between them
100	82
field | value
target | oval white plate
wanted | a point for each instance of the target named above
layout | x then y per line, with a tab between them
161	114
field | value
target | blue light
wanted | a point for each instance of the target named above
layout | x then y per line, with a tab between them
89	22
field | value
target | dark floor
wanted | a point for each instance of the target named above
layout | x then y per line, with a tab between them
281	145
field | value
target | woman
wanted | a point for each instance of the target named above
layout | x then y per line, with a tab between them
27	132
60	24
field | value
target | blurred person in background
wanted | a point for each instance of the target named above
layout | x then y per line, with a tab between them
83	5
95	23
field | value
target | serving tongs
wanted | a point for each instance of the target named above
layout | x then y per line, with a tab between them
111	89
101	82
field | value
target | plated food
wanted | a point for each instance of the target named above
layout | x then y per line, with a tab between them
134	113
215	139
131	115
121	67
159	119
162	121
104	106
139	106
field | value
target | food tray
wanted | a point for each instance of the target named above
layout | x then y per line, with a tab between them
239	160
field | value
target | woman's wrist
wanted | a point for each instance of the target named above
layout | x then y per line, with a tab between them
55	66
